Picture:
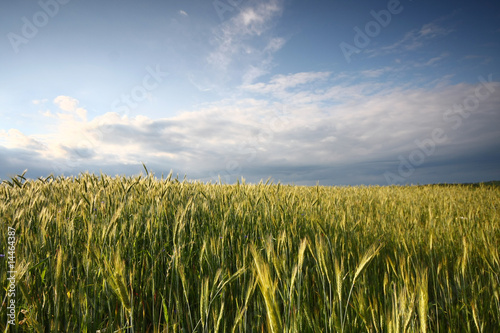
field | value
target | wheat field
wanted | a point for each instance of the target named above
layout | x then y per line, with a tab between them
96	253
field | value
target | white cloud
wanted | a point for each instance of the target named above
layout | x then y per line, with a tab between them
183	13
66	103
15	139
70	105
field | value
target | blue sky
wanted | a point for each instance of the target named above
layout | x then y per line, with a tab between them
335	92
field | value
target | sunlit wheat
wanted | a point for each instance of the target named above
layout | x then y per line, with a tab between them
147	254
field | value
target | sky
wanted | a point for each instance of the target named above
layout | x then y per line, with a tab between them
312	92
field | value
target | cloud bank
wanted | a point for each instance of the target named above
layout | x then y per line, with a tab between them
299	128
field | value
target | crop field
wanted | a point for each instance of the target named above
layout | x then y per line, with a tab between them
96	253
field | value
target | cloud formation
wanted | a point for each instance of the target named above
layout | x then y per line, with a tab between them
295	136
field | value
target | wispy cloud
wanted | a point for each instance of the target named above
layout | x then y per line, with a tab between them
40	101
413	39
275	44
246	39
374	73
280	83
306	88
484	59
433	60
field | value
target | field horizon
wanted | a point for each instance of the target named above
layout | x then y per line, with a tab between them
21	177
